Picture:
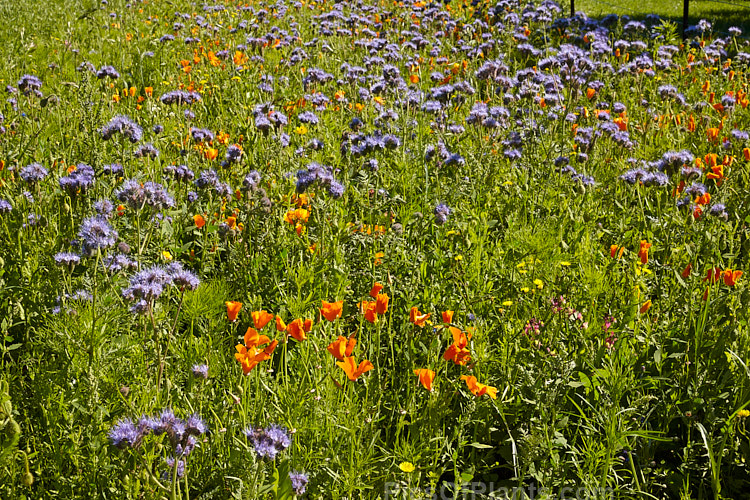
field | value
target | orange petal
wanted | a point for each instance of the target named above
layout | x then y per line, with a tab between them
337	348
296	330
280	325
349	365
331	310
261	318
381	303
233	309
426	377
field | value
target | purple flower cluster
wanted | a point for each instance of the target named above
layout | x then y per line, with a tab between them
645	177
33	173
180	172
585	180
113	169
29	84
123	125
67	259
79	180
268	442
441	212
201	134
299	482
200	371
146	151
96	234
107	72
251	181
210	179
118	262
180	97
234	153
149	284
138	195
321	174
182	434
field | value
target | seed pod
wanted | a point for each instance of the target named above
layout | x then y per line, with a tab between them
27	479
12	433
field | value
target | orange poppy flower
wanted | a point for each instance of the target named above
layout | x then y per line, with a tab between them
643	251
645	307
417	317
703	199
253	339
613	251
746	154
199	221
233	309
297	330
447	316
426	376
378	258
731	277
261	318
686	271
149	91
280	325
478	389
307	325
457	351
250	355
352	370
211	153
716	173
239	58
714	274
381	303
712	134
342	347
332	310
368	308
297	216
691	126
375	290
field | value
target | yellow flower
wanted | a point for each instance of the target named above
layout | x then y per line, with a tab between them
539	283
301	130
565	263
743	414
166	255
525	289
406	467
508	303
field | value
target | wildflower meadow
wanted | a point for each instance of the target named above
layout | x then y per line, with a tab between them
365	249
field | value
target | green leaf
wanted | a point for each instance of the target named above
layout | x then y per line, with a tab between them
481	446
282	485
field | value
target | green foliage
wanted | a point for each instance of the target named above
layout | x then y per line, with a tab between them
614	371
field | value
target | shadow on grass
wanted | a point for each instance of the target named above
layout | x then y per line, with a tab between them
721	15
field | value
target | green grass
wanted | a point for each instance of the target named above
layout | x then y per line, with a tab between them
615	372
721	14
